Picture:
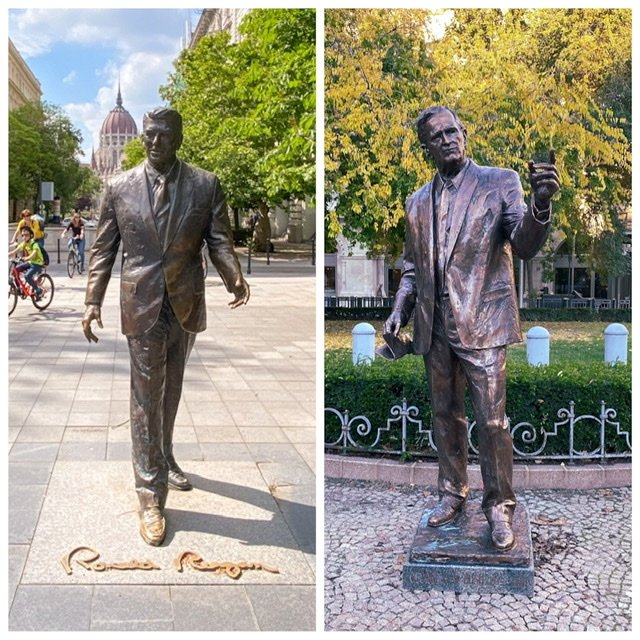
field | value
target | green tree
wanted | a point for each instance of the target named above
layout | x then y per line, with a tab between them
525	81
132	154
249	108
43	146
88	188
522	80
376	63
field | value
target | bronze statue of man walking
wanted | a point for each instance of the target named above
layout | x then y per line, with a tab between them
457	281
161	211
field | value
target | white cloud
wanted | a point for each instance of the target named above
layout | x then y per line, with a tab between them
70	78
34	31
140	46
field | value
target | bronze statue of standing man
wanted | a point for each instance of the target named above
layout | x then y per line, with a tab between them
161	211
457	280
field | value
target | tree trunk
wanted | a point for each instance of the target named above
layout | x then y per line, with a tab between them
531	294
262	234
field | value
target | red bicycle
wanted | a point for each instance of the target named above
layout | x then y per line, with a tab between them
19	288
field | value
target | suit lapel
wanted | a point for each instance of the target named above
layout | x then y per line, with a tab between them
141	202
425	238
458	213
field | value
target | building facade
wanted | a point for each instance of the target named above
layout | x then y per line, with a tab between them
215	20
568	281
23	85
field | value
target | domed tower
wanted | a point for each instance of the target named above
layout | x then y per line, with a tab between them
118	128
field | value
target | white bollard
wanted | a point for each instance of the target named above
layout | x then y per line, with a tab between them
364	342
538	339
616	336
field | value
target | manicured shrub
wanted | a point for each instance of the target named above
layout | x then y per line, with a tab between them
534	395
529	315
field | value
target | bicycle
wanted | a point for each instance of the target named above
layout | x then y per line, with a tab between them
73	259
19	288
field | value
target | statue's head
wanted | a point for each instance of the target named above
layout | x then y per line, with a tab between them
443	138
162	136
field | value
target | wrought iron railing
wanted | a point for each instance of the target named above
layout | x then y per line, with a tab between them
529	442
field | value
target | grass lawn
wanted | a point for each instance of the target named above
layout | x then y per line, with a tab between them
570	341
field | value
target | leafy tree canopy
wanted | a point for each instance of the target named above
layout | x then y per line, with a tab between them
522	80
249	107
43	147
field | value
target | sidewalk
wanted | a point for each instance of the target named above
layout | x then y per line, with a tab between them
245	436
582	559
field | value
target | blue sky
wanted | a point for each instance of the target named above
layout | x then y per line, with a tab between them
79	55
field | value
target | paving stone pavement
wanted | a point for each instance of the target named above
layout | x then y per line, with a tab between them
245	429
582	559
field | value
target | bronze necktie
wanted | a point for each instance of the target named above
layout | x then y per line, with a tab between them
443	231
160	195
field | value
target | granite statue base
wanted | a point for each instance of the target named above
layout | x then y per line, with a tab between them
460	556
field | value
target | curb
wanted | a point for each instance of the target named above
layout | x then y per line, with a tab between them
557	476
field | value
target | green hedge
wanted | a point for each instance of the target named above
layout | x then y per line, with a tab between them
534	395
529	315
575	315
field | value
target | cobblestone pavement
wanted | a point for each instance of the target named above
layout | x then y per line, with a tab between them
582	559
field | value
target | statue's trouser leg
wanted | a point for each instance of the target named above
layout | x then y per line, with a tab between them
157	360
449	366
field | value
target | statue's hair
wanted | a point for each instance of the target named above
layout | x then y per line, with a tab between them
170	116
423	119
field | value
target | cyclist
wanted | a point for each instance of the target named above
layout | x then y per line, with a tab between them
29	220
76	226
31	260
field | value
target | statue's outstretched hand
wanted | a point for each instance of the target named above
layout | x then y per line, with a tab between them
92	312
544	180
241	296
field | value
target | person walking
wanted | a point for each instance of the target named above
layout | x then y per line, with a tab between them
161	211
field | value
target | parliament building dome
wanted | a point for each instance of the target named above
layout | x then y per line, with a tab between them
118	128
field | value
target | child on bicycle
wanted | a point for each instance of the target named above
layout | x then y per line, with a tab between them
76	226
32	260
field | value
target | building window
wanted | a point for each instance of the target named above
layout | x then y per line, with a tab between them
330	278
394	280
581	281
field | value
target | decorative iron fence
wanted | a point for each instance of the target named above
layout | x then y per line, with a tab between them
529	442
358	302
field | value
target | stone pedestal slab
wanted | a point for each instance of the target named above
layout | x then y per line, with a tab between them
460	556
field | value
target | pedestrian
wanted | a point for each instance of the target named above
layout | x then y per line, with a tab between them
161	211
457	282
31	259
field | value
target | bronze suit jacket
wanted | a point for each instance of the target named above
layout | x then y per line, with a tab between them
489	218
151	264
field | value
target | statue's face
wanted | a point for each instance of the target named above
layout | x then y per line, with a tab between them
161	143
445	141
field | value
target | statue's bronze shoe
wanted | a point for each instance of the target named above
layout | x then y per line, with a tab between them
152	526
446	510
177	480
502	535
